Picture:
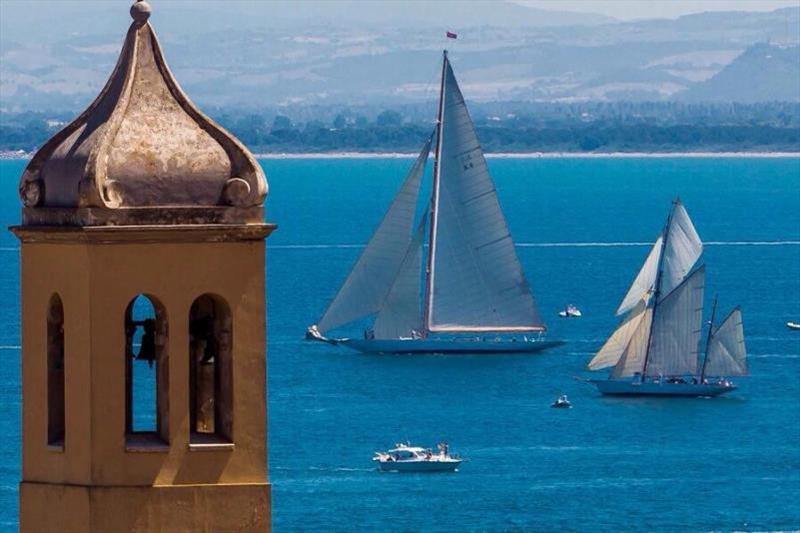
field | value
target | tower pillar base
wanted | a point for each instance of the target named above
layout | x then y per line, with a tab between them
59	507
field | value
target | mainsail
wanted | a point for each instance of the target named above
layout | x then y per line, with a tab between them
726	354
677	326
376	269
476	282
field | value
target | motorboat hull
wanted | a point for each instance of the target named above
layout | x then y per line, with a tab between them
618	387
418	466
447	346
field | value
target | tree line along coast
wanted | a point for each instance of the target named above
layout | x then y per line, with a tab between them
502	126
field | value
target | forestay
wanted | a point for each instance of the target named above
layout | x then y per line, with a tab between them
616	344
676	329
476	280
726	350
400	313
682	250
370	280
645	279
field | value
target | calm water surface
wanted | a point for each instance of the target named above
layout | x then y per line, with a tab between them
582	227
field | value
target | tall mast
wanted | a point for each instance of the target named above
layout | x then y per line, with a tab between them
428	303
708	339
658	286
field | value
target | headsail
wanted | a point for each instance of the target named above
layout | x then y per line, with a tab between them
616	344
632	359
726	350
476	282
645	280
400	313
677	327
682	250
371	278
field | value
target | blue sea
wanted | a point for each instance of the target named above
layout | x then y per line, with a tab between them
582	227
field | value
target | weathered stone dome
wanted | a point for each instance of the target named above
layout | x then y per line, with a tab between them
142	153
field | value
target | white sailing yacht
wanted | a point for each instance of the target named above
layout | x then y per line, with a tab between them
655	350
470	295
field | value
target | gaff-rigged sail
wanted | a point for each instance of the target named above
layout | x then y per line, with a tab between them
476	282
400	314
726	354
676	329
376	269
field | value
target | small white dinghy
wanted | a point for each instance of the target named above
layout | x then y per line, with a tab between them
793	325
407	458
561	402
570	311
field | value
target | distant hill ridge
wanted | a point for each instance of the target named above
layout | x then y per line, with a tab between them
319	53
762	73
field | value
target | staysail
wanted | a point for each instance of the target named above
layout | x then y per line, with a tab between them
476	282
616	344
633	357
726	354
400	314
645	280
374	273
677	327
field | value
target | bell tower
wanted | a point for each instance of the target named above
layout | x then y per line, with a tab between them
143	315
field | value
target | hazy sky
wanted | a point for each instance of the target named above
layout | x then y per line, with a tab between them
642	9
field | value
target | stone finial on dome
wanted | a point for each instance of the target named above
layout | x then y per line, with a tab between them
140	11
141	145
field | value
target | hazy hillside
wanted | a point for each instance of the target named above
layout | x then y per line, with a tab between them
262	54
761	73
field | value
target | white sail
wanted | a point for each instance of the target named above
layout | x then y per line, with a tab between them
632	360
616	344
645	280
376	268
726	351
677	326
476	282
681	252
400	313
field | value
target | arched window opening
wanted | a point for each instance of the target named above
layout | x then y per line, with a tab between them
55	372
210	372
146	368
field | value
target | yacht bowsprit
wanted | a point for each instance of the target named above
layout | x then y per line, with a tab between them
655	349
469	295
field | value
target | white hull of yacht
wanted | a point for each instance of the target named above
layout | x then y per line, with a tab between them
448	346
627	387
428	465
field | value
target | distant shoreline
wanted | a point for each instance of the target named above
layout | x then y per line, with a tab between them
16	156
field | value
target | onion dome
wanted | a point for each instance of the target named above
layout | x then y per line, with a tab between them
142	153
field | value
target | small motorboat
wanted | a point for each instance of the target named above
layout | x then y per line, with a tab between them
407	458
793	325
570	311
561	402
